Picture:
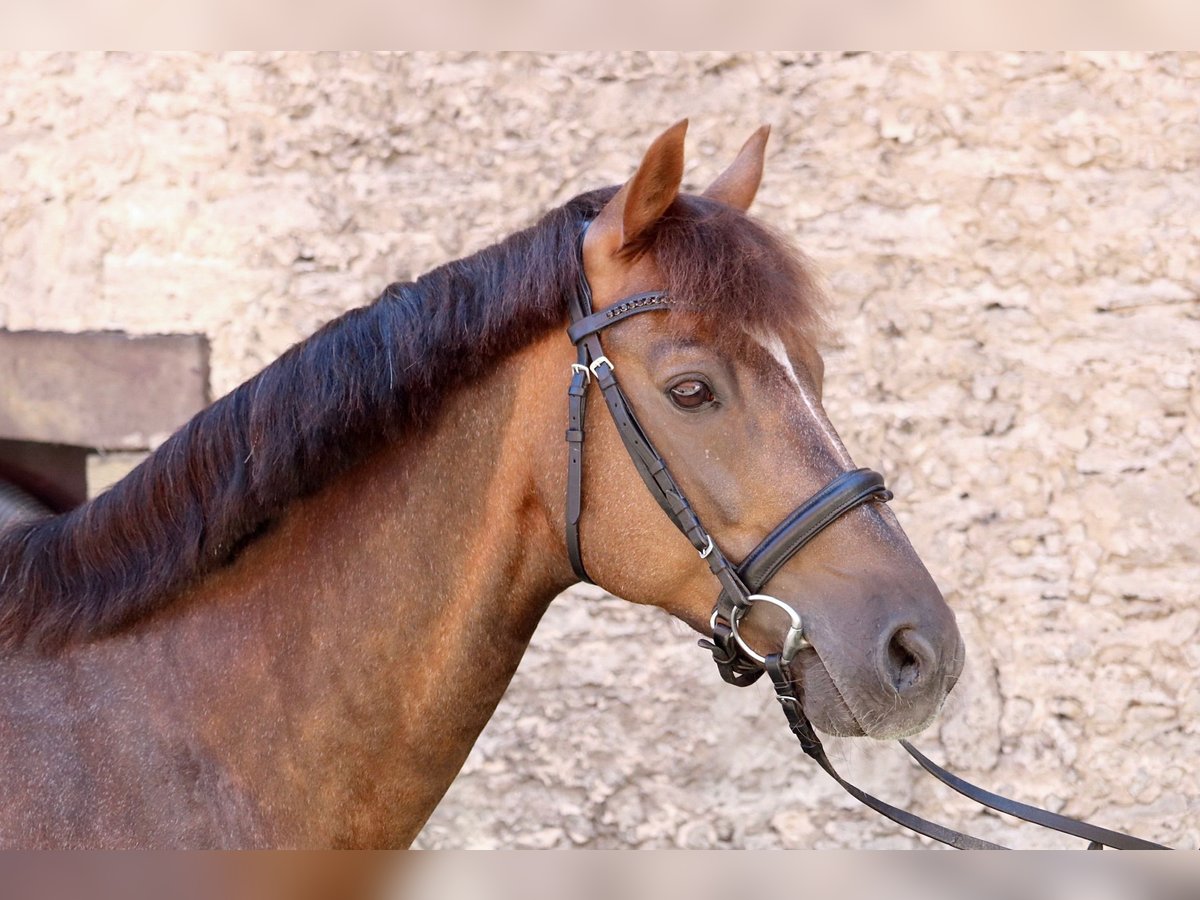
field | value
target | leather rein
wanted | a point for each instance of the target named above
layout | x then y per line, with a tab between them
738	663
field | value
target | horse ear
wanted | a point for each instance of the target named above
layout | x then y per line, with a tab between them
738	184
645	197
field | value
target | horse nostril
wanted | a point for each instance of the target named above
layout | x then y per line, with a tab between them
904	659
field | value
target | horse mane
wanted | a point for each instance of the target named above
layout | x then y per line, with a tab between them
373	375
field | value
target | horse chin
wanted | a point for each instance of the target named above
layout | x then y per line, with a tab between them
829	710
824	704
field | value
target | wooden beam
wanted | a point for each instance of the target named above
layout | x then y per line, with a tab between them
106	390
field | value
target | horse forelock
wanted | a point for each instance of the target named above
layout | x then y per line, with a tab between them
374	374
735	274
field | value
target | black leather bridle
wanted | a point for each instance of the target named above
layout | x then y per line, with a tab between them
736	661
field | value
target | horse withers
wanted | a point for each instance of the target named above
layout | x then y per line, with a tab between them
288	626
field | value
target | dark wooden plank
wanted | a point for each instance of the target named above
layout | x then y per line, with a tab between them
107	390
52	473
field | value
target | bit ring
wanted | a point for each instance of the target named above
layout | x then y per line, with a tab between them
793	642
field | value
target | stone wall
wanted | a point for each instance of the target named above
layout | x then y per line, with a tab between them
1012	244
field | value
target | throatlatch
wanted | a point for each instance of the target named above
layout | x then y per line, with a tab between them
738	663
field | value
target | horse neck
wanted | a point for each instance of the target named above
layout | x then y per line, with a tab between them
349	658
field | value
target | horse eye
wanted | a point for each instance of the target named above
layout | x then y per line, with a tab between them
691	394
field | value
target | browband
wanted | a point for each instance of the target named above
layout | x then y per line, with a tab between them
631	306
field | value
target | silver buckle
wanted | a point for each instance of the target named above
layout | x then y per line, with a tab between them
704	554
580	367
793	642
601	359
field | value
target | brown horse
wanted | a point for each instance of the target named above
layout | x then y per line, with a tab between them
288	626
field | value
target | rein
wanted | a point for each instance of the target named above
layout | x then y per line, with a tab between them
737	662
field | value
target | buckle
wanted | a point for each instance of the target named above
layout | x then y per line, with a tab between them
601	359
583	370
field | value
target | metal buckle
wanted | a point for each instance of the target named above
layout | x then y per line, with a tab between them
704	554
793	642
601	359
580	367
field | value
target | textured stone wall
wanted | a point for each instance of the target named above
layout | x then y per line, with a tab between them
1012	244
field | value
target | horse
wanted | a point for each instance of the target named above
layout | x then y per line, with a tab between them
289	624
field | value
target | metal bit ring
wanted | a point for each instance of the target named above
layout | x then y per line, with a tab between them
793	642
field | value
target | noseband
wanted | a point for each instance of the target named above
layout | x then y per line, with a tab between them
737	662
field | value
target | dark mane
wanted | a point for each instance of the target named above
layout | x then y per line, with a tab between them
372	375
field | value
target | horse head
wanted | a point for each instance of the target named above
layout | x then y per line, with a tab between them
726	380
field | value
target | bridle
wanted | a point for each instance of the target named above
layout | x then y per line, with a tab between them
740	585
